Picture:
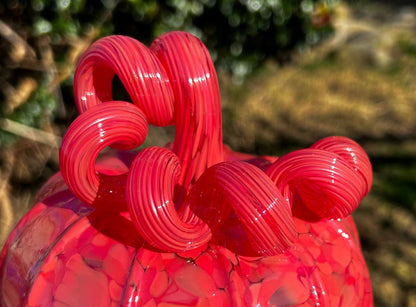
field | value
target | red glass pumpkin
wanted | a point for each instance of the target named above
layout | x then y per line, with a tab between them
192	224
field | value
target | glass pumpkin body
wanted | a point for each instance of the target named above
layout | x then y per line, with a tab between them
194	224
65	253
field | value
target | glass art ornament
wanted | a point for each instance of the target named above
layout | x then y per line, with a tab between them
190	224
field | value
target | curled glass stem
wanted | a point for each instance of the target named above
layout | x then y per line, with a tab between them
245	189
138	69
150	186
330	178
115	122
179	199
198	133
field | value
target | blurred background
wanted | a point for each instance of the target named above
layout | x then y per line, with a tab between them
290	72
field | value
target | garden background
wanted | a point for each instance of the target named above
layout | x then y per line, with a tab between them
290	72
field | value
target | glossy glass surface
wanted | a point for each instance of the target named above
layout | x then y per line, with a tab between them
192	224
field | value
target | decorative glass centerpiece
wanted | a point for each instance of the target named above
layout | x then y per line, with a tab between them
190	224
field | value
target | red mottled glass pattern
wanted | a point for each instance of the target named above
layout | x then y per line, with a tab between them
190	224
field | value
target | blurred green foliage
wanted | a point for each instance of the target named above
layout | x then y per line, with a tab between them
239	34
